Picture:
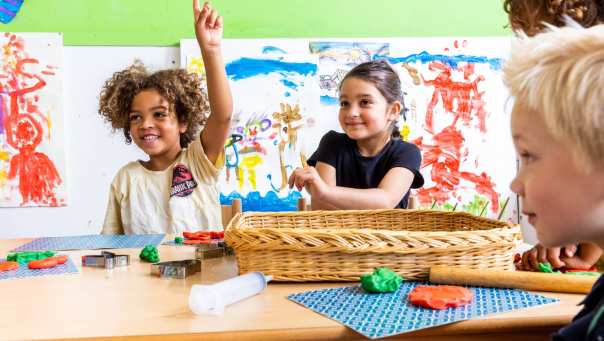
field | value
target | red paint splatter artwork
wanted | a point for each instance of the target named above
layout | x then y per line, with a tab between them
458	100
30	121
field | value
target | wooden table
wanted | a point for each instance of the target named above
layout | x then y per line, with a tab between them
128	303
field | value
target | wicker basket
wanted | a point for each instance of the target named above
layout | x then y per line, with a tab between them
342	245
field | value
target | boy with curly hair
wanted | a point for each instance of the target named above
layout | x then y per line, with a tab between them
175	190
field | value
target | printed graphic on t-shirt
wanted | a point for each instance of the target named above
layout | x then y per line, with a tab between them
182	181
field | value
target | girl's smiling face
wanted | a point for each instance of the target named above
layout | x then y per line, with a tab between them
364	112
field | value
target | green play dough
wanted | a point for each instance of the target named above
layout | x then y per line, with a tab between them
382	280
179	240
28	256
149	254
547	268
583	273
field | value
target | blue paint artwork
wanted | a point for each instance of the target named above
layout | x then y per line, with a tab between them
328	100
381	315
271	202
289	84
9	9
425	57
366	50
272	49
243	68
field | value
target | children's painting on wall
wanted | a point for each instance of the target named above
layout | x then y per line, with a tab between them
456	100
32	161
285	94
337	58
275	97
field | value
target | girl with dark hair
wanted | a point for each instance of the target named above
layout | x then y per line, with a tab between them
368	166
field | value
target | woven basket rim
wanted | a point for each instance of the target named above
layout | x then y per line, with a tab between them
241	216
347	231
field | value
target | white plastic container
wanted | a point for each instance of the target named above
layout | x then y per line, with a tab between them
212	299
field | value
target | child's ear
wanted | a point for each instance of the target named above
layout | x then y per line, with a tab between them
395	110
182	127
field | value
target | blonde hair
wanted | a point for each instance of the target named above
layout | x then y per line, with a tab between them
560	75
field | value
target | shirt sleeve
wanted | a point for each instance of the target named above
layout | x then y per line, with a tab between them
113	219
198	156
408	155
327	150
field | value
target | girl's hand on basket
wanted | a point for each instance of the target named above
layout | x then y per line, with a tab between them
308	178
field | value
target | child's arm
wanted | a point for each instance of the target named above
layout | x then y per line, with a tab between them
388	194
581	257
208	30
113	219
328	174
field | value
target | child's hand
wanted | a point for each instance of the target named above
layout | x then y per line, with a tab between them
208	27
581	257
540	254
308	177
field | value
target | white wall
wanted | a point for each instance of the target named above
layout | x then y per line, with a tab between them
93	153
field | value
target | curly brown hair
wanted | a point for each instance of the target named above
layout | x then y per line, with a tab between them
180	88
529	15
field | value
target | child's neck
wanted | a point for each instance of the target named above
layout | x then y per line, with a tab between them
163	161
372	146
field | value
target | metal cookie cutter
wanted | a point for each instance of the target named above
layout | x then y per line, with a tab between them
107	260
176	269
207	251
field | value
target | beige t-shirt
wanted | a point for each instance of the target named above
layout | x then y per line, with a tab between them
184	197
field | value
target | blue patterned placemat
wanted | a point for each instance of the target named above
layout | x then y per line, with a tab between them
23	271
92	242
381	315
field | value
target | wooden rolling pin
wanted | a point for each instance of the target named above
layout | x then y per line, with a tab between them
527	280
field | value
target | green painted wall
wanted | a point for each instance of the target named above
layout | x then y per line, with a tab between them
164	22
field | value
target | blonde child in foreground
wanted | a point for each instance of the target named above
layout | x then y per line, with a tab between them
556	79
530	17
175	190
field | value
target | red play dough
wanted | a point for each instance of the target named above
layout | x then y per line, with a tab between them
8	266
440	296
43	263
192	241
62	259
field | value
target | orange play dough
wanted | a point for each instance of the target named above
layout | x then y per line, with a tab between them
440	296
8	266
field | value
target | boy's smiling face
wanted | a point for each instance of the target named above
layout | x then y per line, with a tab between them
563	201
154	126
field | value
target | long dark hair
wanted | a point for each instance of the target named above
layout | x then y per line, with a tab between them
381	74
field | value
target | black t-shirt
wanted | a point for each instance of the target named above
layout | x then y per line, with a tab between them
357	171
589	322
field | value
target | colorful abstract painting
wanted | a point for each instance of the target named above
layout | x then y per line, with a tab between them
9	9
32	161
337	58
276	96
457	101
455	113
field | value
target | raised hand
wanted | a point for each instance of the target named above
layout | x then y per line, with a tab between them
208	27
